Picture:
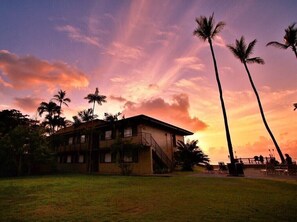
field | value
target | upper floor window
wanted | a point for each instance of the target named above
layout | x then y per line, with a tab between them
82	138
128	132
70	140
108	135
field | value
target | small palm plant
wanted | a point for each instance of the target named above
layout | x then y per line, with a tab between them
243	53
189	154
290	39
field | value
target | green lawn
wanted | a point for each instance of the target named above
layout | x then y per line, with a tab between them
118	198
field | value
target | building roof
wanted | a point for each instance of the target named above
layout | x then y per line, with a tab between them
139	119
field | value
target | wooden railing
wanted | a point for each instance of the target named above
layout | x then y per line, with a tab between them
148	140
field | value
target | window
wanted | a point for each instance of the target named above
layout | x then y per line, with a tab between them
108	135
70	140
81	158
130	156
68	159
128	132
82	138
107	158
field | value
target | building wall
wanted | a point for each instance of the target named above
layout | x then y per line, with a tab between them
72	167
163	138
143	166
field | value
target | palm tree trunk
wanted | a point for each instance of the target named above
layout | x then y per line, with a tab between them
229	142
91	142
263	115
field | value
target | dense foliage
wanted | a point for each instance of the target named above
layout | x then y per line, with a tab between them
23	144
189	154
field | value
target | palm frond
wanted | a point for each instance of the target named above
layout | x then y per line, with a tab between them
235	52
250	48
277	45
219	27
257	60
205	27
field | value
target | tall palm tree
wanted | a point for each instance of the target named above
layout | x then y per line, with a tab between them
207	30
290	39
61	98
93	98
243	53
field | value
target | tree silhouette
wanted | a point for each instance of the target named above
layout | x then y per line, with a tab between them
61	98
189	154
290	39
51	119
243	53
207	30
295	106
87	115
93	98
96	98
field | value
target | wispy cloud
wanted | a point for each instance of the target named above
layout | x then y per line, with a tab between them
77	35
25	72
124	53
190	63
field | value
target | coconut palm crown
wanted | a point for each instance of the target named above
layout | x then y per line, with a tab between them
290	39
242	51
206	29
95	98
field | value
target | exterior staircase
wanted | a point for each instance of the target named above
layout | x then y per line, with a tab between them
162	163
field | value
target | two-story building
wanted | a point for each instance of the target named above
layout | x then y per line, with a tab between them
143	143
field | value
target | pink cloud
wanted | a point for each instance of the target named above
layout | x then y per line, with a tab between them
28	71
176	113
118	98
28	104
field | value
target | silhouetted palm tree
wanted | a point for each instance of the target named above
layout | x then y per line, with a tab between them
60	97
93	98
207	30
96	98
295	106
52	110
87	115
189	154
290	39
243	53
112	118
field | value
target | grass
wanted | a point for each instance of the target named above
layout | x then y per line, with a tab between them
117	198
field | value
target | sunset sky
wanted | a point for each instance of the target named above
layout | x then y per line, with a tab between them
143	56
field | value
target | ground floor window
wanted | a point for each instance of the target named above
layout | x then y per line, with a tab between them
81	158
68	160
130	156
